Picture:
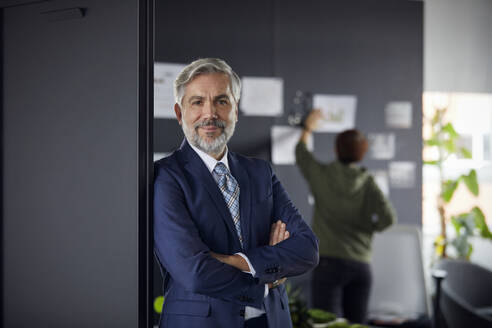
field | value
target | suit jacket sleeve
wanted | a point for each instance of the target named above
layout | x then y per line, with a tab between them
293	256
184	255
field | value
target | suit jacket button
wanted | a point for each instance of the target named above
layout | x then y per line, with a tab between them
241	313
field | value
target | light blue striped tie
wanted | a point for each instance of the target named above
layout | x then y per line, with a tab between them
230	190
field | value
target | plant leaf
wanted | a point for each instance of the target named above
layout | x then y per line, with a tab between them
462	246
465	152
448	189
450	146
431	162
480	223
470	250
449	128
432	142
471	182
456	224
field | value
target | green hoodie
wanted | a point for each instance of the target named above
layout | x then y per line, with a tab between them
349	206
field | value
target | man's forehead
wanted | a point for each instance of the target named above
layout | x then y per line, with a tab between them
209	81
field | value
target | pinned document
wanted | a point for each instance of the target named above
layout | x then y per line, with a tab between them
164	76
382	145
262	96
399	114
284	141
402	174
338	112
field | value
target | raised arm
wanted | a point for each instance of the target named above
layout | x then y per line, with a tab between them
305	160
184	255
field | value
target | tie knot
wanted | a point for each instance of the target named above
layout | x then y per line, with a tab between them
220	168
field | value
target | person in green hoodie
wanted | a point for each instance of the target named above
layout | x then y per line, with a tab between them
349	209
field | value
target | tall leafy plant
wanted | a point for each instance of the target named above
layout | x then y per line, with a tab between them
444	138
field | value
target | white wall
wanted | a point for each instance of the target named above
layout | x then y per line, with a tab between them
458	45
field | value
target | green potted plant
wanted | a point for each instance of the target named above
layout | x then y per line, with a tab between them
443	138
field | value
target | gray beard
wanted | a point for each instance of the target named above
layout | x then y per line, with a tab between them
217	145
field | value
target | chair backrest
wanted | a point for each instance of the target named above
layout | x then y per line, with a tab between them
398	273
470	282
465	291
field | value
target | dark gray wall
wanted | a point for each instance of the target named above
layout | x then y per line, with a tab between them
70	165
369	48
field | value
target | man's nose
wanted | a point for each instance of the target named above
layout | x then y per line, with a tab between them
209	109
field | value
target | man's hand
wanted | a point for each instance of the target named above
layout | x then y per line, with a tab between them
278	233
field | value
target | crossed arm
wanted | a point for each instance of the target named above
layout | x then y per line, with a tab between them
278	233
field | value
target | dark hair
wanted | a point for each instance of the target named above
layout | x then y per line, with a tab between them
351	146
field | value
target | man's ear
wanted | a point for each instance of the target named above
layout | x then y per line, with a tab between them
179	114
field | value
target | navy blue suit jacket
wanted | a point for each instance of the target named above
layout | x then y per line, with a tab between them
191	219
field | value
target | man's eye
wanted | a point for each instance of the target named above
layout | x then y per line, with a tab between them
223	102
197	102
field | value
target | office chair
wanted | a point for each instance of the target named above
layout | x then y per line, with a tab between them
466	294
399	290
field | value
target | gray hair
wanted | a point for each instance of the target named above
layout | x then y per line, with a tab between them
206	66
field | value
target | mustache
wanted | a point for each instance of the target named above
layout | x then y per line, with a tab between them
211	122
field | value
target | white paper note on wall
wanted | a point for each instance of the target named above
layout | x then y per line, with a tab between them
262	96
338	112
381	179
164	76
399	114
284	141
402	174
382	145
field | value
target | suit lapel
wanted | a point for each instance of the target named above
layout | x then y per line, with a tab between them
243	180
194	164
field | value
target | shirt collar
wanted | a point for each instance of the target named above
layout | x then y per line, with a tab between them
209	161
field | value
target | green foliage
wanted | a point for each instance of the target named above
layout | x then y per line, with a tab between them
298	309
321	316
444	137
465	152
481	224
448	188
158	303
449	129
471	182
467	225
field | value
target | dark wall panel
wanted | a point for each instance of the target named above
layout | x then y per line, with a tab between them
70	189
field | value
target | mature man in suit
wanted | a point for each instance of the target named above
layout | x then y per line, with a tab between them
226	233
